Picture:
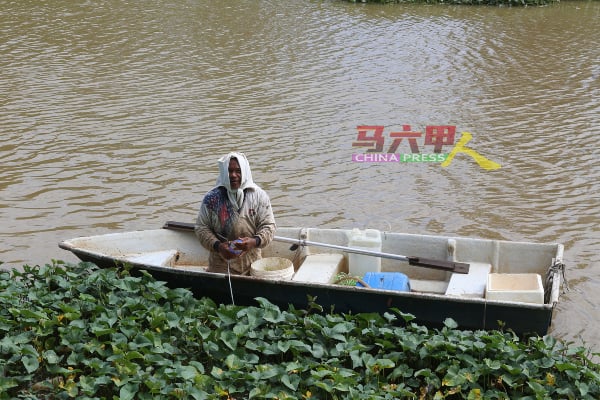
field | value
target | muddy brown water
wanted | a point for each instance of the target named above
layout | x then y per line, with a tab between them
113	115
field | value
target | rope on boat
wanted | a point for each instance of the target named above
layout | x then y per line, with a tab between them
557	267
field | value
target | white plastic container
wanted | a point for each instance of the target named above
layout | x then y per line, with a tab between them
526	288
360	264
275	268
320	268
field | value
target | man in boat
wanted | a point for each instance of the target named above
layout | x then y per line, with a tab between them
235	219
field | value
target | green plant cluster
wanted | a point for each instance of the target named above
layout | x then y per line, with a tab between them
76	331
521	3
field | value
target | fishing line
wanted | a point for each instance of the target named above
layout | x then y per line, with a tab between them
230	287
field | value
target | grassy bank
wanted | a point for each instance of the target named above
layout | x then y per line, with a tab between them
74	331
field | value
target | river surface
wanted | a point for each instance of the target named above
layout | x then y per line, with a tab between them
113	114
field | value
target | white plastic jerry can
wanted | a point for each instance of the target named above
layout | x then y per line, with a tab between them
360	264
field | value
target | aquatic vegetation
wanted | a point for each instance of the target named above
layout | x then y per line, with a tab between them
76	331
521	3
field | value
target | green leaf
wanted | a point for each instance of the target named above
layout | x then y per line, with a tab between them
51	357
385	363
7	383
536	387
198	366
267	371
298	346
401	371
30	363
30	314
291	381
283	346
187	372
240	329
584	389
564	366
356	358
273	315
173	320
294	366
227	317
450	323
132	355
205	332
253	315
229	339
128	391
78	323
545	363
216	372
549	341
318	351
454	377
255	392
475	394
325	385
233	362
101	330
321	373
493	364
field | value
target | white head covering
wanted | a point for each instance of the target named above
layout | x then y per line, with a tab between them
236	197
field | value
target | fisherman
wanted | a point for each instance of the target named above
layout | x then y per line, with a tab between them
235	219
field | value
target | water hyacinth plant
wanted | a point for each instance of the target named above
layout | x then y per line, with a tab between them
509	3
76	331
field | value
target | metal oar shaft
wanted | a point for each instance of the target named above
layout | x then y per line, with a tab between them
453	266
303	242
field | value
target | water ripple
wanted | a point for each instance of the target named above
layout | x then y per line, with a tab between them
113	116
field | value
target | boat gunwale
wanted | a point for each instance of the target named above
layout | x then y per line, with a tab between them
122	260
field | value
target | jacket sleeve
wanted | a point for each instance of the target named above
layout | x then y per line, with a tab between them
265	221
203	229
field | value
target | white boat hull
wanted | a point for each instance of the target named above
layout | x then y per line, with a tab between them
176	256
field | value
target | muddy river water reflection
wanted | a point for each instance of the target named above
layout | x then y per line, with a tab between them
113	115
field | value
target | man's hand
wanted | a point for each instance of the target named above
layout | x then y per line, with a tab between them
236	248
245	244
225	251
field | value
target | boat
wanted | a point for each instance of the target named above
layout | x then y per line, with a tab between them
479	283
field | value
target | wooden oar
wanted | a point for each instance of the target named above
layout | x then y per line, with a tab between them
453	266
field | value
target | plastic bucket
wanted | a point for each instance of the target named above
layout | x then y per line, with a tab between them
277	268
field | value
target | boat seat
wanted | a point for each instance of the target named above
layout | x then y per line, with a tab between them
164	258
319	268
428	286
472	284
